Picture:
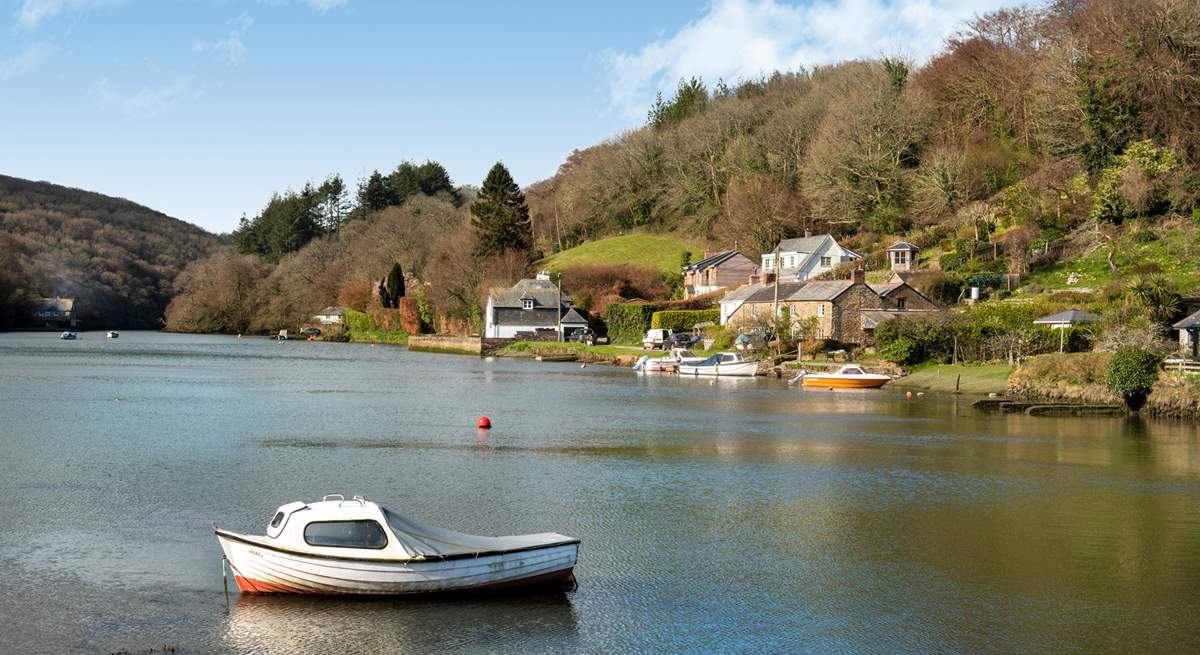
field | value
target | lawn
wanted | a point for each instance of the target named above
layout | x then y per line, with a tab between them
643	250
981	378
1176	252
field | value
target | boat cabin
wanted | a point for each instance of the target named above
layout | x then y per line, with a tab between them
360	529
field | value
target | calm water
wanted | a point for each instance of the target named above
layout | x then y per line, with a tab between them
729	517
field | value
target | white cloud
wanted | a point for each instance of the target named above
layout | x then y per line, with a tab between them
33	12
743	39
27	61
230	50
144	103
326	5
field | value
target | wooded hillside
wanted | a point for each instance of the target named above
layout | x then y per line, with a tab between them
117	258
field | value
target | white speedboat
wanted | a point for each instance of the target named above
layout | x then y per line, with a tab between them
721	365
355	546
668	364
112	334
850	376
69	335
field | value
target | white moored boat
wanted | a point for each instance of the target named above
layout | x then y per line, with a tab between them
355	546
678	356
850	376
721	365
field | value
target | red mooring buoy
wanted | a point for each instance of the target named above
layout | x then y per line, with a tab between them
484	422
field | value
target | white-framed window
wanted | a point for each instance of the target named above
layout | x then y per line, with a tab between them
768	262
527	303
821	310
901	257
826	261
820	333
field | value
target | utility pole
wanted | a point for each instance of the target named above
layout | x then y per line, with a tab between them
778	269
558	310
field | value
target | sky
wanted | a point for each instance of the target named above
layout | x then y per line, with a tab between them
202	109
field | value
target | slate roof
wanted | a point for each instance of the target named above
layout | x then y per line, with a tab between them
1069	316
871	318
802	244
741	293
887	287
903	245
821	290
332	311
1190	323
543	292
573	316
711	260
767	292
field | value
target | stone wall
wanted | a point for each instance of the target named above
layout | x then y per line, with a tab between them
847	313
446	344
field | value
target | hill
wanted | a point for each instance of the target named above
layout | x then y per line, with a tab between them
1038	136
117	258
661	253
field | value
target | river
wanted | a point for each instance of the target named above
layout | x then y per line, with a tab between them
738	516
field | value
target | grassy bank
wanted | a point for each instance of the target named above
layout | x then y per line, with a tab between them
980	378
1063	377
641	250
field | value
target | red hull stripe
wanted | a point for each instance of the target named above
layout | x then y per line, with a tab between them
252	586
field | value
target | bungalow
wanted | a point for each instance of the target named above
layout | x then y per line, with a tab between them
533	309
715	272
330	316
54	312
807	257
838	306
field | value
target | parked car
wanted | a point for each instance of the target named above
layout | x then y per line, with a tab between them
585	336
310	332
753	340
684	340
656	339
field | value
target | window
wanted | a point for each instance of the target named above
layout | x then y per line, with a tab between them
901	257
820	333
789	261
821	310
902	303
768	262
345	534
527	303
277	520
826	262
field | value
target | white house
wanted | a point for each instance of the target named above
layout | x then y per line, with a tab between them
330	315
806	257
531	309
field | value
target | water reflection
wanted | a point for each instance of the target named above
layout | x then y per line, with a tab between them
282	625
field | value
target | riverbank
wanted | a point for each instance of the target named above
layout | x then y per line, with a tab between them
598	354
1080	378
963	378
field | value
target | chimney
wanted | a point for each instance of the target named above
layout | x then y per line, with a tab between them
858	276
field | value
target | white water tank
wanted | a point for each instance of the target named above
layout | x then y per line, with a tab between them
974	293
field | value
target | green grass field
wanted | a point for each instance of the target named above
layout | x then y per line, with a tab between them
662	253
983	378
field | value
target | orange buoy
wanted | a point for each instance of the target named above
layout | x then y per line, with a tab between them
483	422
908	394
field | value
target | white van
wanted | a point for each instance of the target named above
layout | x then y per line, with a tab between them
656	339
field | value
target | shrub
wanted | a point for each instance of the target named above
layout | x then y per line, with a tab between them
1131	373
628	322
683	319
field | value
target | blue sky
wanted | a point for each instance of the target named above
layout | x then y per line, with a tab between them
203	108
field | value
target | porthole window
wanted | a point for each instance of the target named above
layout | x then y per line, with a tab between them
345	534
277	520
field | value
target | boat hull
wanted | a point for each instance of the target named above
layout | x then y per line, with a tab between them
740	369
821	382
258	569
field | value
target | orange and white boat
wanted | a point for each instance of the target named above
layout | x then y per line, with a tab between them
850	376
340	546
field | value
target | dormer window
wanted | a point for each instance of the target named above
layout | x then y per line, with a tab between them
527	303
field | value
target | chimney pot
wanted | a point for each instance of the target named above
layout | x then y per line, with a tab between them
858	276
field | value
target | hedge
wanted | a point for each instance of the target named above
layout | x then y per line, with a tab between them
628	322
683	319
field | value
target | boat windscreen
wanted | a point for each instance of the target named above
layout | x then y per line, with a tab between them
422	540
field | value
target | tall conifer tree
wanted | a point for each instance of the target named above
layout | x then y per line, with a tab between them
500	215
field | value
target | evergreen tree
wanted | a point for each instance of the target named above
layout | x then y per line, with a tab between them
395	285
500	215
334	205
374	194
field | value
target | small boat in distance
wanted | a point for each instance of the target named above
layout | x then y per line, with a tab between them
721	365
850	376
339	546
112	334
68	335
